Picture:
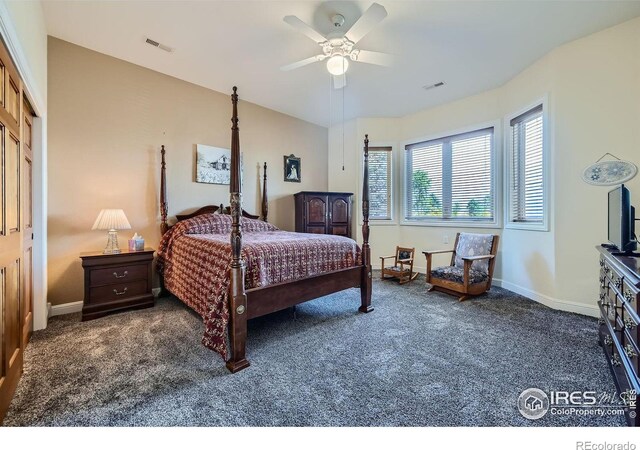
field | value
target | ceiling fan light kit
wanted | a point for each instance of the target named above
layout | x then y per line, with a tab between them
337	65
338	48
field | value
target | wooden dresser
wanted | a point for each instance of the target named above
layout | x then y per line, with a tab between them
115	282
324	212
618	324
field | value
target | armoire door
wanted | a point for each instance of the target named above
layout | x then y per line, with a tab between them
339	215
316	214
11	339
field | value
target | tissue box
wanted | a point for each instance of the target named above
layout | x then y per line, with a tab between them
136	245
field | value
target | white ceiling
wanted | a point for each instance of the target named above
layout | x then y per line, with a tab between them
471	46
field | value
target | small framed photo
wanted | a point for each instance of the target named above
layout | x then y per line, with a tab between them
292	169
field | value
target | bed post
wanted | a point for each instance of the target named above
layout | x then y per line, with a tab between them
237	295
365	283
163	193
265	202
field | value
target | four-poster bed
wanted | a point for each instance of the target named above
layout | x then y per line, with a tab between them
270	271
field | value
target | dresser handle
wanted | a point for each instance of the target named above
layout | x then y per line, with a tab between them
602	296
615	360
618	283
629	297
629	323
628	349
115	291
608	340
601	262
124	274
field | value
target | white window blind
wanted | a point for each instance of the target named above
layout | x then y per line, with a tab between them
451	179
380	183
526	178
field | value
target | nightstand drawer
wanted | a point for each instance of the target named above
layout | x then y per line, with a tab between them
120	291
118	275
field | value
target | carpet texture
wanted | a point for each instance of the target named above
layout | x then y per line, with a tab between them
419	359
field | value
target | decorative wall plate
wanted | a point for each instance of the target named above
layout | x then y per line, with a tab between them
608	173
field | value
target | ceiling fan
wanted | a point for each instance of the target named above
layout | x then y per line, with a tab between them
338	48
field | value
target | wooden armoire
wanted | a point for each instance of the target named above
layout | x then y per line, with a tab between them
324	212
16	227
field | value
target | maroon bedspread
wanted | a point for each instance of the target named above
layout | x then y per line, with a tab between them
194	258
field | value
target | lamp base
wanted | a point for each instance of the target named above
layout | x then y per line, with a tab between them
112	243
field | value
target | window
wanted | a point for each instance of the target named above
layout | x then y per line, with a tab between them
526	170
451	179
380	183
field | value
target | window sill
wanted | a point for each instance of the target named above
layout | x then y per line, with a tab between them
526	226
451	224
376	223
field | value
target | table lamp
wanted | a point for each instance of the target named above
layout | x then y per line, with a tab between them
112	220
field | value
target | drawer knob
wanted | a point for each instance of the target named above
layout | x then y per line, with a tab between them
115	291
619	283
601	262
124	274
629	350
608	340
629	297
629	323
615	360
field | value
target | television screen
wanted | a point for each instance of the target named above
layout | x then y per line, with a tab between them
621	220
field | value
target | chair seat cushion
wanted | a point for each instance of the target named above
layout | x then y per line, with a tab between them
396	269
456	274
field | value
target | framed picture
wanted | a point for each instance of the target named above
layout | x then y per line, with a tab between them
292	169
213	164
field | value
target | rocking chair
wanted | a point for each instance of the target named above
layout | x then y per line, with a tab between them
471	269
402	268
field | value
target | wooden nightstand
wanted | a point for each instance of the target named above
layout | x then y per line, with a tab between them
115	282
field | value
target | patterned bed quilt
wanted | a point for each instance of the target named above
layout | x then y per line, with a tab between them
195	254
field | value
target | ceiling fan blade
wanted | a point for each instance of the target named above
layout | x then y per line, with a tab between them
380	59
304	29
304	62
366	22
339	81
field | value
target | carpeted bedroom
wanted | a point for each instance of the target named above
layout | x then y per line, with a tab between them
420	359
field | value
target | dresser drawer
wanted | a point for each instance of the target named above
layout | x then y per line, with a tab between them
115	292
118	275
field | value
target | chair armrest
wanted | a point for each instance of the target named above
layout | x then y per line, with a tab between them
387	257
477	258
435	252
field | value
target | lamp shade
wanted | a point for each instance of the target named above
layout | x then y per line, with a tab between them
111	219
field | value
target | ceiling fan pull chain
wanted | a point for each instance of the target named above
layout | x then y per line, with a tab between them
343	89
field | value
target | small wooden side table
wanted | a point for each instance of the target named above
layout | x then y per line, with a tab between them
115	282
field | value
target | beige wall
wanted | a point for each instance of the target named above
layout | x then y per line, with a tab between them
108	120
592	87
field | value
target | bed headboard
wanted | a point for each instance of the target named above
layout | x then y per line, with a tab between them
209	209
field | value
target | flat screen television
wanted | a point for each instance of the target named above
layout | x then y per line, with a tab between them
621	220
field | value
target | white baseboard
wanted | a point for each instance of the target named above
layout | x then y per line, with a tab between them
554	303
74	307
65	308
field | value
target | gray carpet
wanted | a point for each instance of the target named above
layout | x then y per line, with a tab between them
420	359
